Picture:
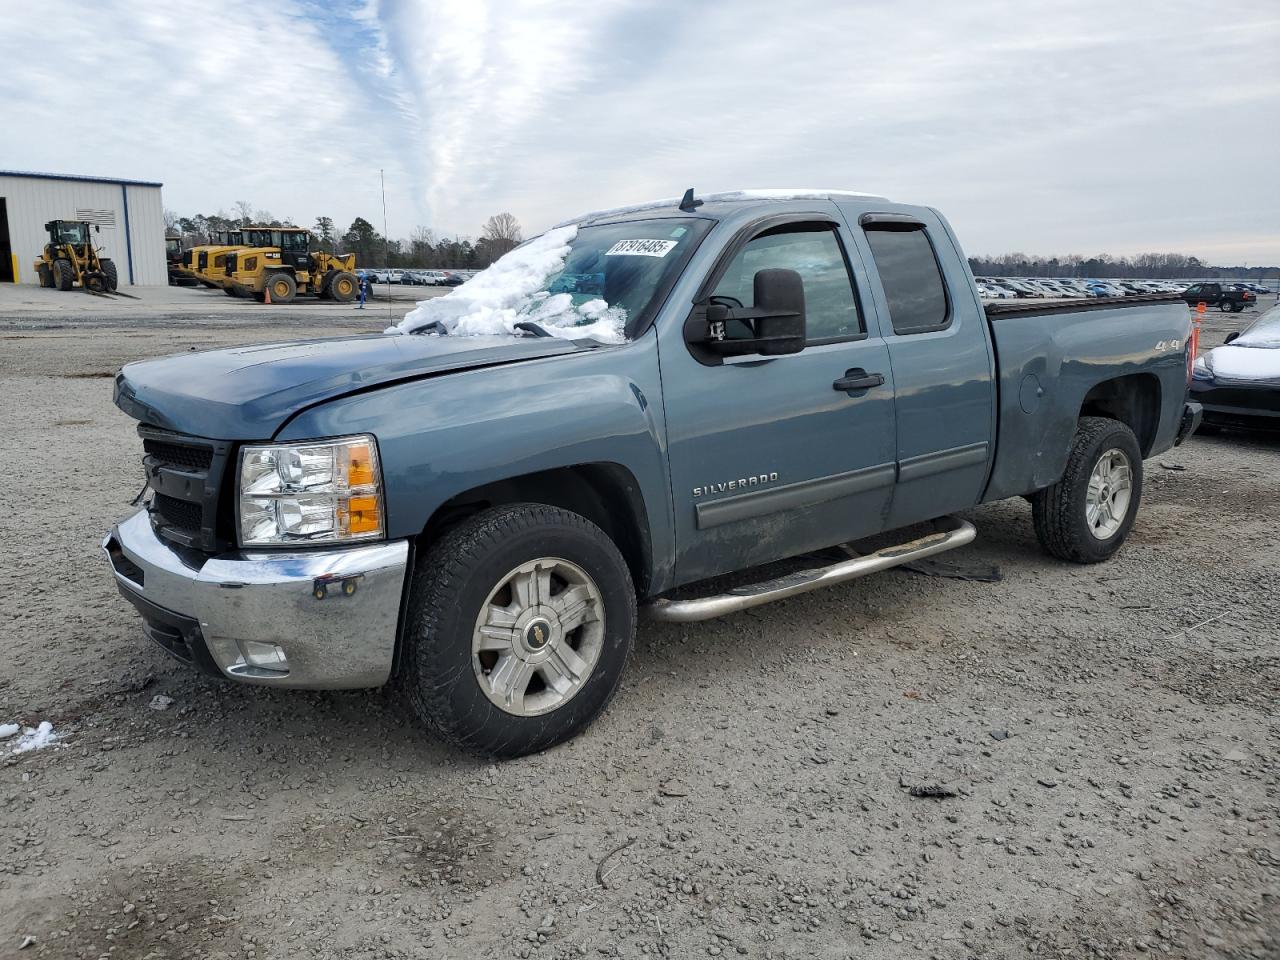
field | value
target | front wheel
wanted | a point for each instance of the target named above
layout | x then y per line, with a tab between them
1087	514
520	622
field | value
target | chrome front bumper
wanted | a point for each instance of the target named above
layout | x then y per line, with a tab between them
317	619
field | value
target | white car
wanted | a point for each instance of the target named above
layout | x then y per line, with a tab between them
989	291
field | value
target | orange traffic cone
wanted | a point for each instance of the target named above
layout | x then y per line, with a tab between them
266	293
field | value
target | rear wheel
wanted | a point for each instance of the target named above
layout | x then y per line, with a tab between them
64	275
1086	515
519	625
111	275
45	274
344	286
282	288
1225	306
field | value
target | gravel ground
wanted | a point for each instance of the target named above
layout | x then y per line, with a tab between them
1109	733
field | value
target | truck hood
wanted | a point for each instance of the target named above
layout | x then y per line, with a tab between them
247	393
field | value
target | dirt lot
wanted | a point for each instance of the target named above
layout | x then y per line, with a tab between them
1111	733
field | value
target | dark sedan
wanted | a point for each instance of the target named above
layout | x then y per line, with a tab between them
1238	383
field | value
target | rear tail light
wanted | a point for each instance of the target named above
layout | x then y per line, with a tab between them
1193	347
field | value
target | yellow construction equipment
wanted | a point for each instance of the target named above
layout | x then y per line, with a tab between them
208	259
70	259
276	264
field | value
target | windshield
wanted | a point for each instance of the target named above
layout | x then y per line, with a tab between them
73	233
597	281
292	240
1263	332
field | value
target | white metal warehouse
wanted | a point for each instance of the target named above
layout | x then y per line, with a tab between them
128	213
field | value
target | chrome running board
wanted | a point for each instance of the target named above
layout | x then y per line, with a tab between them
952	533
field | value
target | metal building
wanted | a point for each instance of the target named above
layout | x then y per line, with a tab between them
128	213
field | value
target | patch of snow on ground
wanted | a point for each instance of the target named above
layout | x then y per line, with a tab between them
8	730
513	290
1245	363
33	738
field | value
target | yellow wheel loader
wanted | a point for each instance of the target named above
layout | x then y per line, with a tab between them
70	259
208	259
275	265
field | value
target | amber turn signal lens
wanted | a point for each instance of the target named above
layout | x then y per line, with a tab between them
359	466
362	515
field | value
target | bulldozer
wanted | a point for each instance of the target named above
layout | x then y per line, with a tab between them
70	258
207	260
276	264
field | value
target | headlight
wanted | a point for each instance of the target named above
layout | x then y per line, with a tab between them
312	492
1201	370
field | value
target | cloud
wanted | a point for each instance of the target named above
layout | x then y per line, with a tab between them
1103	126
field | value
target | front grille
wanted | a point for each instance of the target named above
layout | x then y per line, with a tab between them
181	514
185	476
178	455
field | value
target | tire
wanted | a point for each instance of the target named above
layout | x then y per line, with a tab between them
210	284
64	275
1061	513
45	274
112	275
453	688
95	282
282	286
1225	306
1237	308
231	291
344	286
325	293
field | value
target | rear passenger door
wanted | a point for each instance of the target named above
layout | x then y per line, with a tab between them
944	391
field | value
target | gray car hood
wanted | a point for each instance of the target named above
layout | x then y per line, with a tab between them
247	393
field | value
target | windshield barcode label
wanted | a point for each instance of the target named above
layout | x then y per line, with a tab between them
640	248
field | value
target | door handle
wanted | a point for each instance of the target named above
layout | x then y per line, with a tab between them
858	379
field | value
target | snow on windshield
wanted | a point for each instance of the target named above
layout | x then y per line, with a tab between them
514	290
1263	332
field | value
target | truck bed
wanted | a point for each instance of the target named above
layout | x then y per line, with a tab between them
1060	360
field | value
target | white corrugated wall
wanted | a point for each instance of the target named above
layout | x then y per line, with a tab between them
32	201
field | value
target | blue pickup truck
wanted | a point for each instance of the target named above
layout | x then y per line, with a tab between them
478	503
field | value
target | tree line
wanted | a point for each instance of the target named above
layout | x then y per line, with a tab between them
1143	266
422	249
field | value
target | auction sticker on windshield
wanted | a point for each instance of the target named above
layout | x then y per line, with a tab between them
640	248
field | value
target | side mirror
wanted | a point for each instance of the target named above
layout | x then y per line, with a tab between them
1233	335
777	319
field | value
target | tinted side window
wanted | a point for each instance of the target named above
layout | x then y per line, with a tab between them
813	251
911	279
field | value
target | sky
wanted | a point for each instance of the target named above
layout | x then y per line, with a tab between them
1084	127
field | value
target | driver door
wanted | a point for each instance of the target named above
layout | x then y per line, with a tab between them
775	456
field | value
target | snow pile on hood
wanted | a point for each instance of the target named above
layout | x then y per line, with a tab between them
1244	363
514	290
33	738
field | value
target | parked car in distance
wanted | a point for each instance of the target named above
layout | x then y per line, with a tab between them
1238	383
1224	297
474	505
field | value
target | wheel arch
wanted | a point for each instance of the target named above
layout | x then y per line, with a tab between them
607	494
1133	399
